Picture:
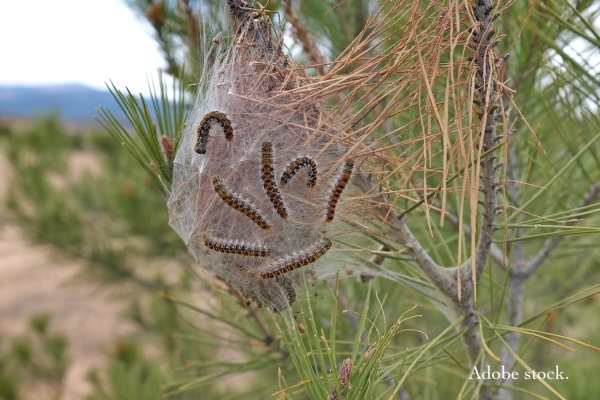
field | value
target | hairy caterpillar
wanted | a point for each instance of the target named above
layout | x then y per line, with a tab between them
244	249
311	170
240	205
213	117
277	294
339	188
286	265
290	294
268	181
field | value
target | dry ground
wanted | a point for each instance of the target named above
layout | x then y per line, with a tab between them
36	279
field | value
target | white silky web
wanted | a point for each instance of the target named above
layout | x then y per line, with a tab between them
257	88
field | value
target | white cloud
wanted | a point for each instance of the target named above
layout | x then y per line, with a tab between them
76	41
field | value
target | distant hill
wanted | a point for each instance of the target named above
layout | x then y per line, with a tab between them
75	103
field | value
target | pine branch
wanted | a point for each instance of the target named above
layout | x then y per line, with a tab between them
483	36
488	98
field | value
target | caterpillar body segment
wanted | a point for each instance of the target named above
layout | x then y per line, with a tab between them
290	291
287	288
237	203
294	167
289	264
268	178
213	117
224	246
339	188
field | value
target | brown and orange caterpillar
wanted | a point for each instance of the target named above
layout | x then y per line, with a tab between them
289	264
339	188
269	181
311	170
213	117
243	249
240	205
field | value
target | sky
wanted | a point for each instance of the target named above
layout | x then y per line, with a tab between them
76	41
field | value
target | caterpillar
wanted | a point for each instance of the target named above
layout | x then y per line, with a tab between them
276	295
213	117
244	249
290	294
311	170
240	205
289	264
288	287
268	181
339	188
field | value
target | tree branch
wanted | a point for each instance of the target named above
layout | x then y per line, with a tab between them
192	23
513	188
488	99
495	252
402	234
516	285
303	35
551	244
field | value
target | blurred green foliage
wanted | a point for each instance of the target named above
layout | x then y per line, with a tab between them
82	192
37	356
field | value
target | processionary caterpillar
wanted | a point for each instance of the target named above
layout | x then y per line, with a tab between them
311	170
277	295
288	287
290	294
289	264
269	181
240	205
244	249
213	117
339	188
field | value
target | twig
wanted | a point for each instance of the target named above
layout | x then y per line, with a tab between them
303	35
156	16
268	336
377	259
516	285
192	24
513	189
516	282
592	194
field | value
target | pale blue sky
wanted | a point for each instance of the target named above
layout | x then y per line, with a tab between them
75	41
